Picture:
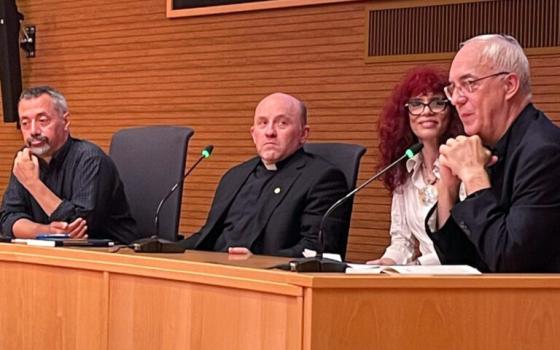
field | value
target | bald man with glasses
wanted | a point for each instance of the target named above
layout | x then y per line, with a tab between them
509	163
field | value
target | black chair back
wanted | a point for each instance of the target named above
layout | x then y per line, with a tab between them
150	160
347	158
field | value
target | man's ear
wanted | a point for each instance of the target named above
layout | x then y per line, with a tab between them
66	118
304	134
252	130
512	85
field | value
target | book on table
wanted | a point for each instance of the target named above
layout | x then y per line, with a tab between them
412	269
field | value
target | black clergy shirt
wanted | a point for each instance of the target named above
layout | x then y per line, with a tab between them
240	217
87	181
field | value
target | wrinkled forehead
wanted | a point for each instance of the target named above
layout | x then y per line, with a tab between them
32	106
470	61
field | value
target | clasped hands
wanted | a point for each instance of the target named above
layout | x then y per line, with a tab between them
75	229
464	159
239	253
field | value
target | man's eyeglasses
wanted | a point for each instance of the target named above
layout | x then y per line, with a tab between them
417	107
468	85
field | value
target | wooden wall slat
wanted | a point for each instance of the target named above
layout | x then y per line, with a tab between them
124	64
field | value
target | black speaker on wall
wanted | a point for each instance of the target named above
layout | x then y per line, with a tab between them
10	69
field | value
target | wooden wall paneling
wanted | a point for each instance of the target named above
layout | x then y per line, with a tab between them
124	64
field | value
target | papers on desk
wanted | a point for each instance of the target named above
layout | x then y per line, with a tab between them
309	253
35	242
365	269
413	269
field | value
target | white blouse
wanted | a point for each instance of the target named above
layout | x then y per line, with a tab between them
408	212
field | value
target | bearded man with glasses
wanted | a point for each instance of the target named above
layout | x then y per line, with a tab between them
509	163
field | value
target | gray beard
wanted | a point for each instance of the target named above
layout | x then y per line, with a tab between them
40	151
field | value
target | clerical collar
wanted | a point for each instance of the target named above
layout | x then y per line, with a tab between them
270	167
280	164
517	128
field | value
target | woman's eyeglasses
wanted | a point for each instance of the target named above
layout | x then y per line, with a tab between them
435	106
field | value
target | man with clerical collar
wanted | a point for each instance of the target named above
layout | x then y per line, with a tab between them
59	184
273	203
509	220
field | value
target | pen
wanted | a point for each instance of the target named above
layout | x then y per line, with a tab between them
50	236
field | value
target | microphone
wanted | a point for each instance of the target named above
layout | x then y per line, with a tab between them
320	264
206	152
154	244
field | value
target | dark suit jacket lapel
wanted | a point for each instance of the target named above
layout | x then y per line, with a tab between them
275	192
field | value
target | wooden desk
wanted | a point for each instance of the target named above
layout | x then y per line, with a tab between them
55	298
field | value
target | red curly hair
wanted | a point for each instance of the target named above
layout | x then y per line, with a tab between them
395	134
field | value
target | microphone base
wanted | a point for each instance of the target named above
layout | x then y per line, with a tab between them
156	245
316	264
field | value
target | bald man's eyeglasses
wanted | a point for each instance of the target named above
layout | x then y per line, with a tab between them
469	85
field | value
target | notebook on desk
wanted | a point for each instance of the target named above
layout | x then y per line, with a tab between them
66	242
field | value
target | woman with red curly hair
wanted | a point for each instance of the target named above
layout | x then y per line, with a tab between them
417	111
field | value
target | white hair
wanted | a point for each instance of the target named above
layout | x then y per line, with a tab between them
504	53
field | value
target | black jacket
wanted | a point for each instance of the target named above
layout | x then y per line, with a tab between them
514	226
288	221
